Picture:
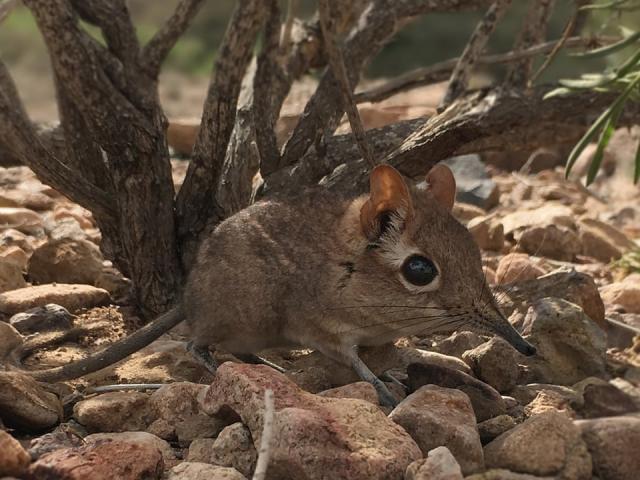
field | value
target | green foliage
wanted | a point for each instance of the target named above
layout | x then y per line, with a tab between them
629	262
623	78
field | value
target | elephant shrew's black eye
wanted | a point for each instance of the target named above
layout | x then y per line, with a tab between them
419	270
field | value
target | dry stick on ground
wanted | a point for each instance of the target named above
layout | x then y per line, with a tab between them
440	71
459	80
533	31
336	62
266	439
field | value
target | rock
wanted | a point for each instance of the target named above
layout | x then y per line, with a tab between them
613	443
425	357
15	255
488	234
525	394
14	460
570	346
10	339
463	212
106	460
25	405
485	400
473	184
114	412
203	471
626	294
342	438
551	241
24	198
177	413
549	401
569	285
68	228
79	214
11	237
602	241
458	343
439	465
361	390
71	297
549	214
502	474
547	444
494	427
42	319
66	261
65	435
496	363
21	219
233	448
436	416
602	399
113	282
138	438
10	276
517	267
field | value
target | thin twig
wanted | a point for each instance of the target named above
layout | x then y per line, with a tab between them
439	71
460	76
264	453
156	51
336	63
566	33
533	31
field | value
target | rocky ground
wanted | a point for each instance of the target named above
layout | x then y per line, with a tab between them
564	262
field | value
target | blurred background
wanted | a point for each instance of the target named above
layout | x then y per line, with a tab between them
427	40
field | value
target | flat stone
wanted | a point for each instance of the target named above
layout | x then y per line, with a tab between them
66	261
42	319
114	412
202	471
71	297
105	460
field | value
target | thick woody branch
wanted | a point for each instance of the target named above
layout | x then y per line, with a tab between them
19	136
196	203
336	62
440	71
375	27
460	76
479	122
155	52
533	31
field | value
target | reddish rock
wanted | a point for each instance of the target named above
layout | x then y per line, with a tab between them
14	460
314	437
106	460
517	267
113	412
436	416
360	390
25	404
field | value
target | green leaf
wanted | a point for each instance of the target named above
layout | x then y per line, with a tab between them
594	81
609	49
603	141
597	125
557	92
629	65
636	170
603	6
